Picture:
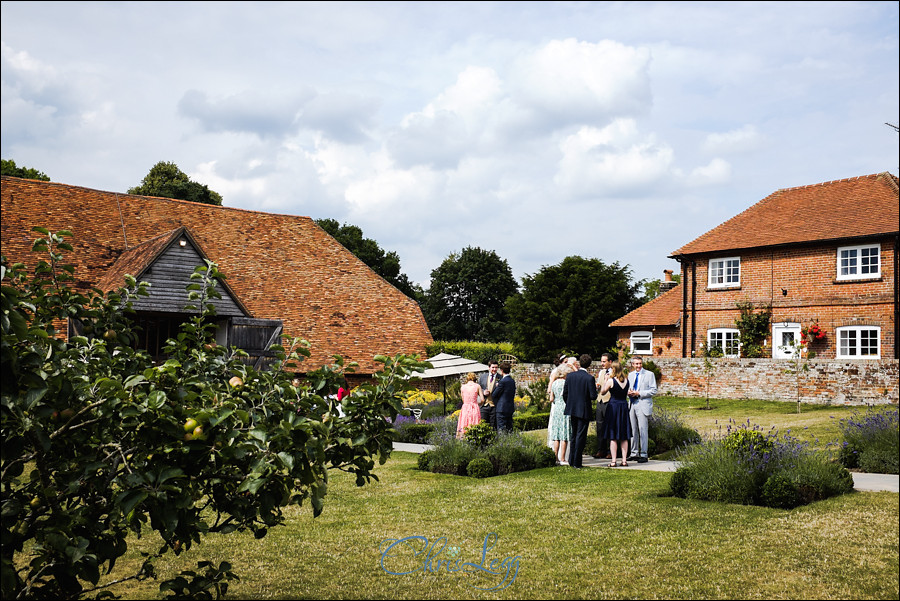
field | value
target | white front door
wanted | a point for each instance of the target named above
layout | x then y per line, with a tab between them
784	337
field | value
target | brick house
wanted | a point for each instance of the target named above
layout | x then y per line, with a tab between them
655	327
285	275
823	254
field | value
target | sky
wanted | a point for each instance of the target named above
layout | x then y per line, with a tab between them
538	130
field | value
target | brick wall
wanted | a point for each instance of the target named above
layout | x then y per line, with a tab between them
828	381
808	276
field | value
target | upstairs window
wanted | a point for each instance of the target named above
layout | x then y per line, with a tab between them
859	342
725	273
727	339
859	262
641	343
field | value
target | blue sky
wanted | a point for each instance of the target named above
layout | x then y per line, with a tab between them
538	130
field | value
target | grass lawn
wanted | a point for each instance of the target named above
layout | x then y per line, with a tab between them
815	424
588	534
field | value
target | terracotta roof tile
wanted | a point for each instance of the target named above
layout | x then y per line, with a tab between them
847	208
664	310
279	266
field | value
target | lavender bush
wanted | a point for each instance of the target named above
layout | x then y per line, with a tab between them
872	440
752	467
510	452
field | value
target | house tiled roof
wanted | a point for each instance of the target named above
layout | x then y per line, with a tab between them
848	208
279	266
664	310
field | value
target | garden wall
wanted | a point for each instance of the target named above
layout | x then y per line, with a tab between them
827	381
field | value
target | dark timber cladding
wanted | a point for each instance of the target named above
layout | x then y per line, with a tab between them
169	276
255	336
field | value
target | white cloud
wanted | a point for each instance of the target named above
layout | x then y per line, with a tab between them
416	120
571	81
718	171
737	140
613	160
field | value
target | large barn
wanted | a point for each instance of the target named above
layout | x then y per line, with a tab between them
285	275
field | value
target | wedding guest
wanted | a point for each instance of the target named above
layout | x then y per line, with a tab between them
642	389
505	399
559	429
617	422
488	381
472	398
579	392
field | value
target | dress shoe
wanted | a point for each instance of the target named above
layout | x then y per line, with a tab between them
632	458
642	460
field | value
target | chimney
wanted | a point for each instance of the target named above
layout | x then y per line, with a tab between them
667	283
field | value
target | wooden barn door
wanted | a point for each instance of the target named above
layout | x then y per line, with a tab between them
255	336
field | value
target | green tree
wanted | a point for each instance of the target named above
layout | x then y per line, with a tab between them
466	297
9	168
98	442
168	181
570	306
385	264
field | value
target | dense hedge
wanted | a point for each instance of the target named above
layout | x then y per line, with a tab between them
482	352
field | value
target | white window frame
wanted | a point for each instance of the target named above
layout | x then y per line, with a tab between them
724	271
849	340
854	262
725	332
644	338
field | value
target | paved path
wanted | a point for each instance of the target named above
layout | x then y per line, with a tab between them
867	482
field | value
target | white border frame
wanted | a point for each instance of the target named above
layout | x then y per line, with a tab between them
737	333
710	284
643	333
857	276
837	341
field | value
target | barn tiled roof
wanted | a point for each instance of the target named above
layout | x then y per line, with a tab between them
847	208
279	266
664	310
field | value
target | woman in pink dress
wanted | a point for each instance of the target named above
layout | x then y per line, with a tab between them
472	398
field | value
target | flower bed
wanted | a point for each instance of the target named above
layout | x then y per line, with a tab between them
752	468
483	452
872	440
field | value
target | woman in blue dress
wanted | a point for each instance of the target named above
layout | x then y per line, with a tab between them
617	426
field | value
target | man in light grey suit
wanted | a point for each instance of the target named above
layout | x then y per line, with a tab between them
641	389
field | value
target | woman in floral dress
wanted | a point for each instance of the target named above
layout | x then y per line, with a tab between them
559	429
472	400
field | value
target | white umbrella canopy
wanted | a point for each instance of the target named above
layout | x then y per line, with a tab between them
444	364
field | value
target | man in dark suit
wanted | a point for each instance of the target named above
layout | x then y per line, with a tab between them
579	391
504	396
488	382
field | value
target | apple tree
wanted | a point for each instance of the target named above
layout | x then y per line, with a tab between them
100	443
